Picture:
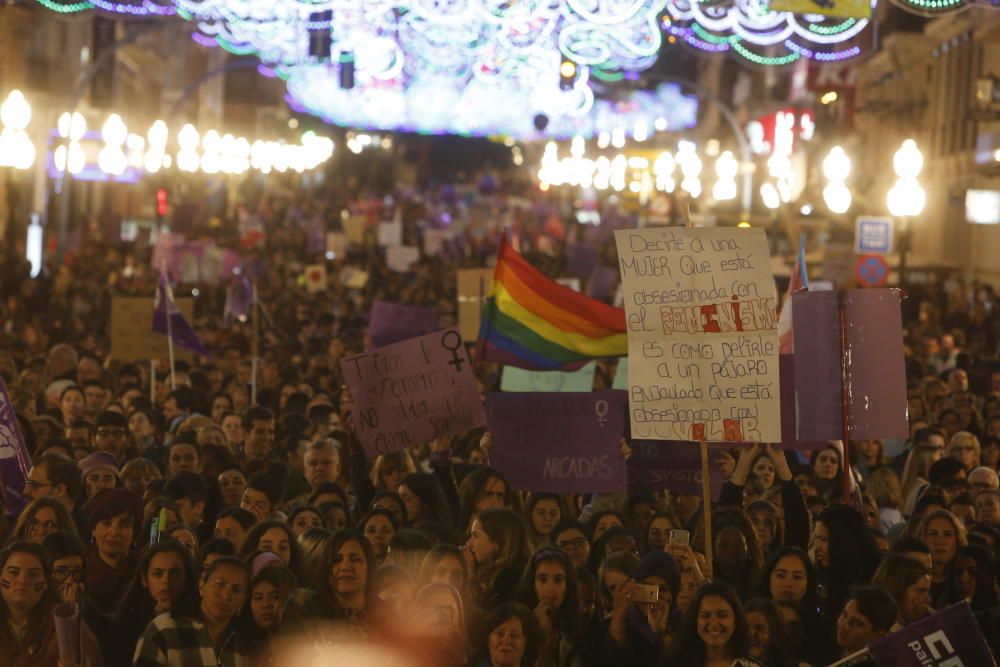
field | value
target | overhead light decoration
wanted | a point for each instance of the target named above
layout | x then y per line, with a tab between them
749	30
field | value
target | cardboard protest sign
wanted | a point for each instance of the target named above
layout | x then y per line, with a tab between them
315	278
354	228
401	257
132	337
390	233
948	638
702	334
875	371
674	467
336	243
354	278
559	443
518	379
390	323
473	288
412	392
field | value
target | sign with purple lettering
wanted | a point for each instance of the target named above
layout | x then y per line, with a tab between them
674	466
14	459
411	392
948	638
392	322
559	442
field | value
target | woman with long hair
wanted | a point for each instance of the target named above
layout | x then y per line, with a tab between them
27	597
909	583
640	629
482	489
916	474
264	608
389	470
790	578
378	526
943	533
166	575
42	517
445	564
766	633
846	555
440	628
549	587
542	512
341	590
278	538
426	506
714	633
498	549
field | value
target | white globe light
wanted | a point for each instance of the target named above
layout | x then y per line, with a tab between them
836	165
15	112
906	198
157	134
114	131
769	195
837	197
908	160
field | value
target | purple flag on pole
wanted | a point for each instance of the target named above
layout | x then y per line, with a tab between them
239	298
559	442
180	331
393	322
948	638
14	459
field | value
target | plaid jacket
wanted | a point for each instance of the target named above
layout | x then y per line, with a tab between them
170	641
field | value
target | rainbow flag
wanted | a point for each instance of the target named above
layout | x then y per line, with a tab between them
533	322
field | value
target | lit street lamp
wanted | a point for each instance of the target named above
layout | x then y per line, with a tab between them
836	168
906	198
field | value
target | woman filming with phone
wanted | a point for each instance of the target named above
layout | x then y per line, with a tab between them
643	612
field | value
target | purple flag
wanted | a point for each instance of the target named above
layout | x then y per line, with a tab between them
559	442
789	438
14	459
948	638
675	466
411	392
239	298
873	356
169	321
393	322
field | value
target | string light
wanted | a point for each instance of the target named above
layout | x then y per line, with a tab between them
16	149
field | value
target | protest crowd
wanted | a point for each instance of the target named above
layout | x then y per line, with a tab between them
226	512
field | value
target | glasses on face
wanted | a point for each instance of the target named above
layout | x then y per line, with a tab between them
33	484
111	433
47	526
575	543
64	573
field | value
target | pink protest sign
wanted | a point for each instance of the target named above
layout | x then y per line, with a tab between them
412	392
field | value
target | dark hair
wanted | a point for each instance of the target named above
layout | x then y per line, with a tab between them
897	573
810	600
905	544
253	537
596	517
853	553
943	470
424	485
377	511
269	484
302	509
111	418
216	545
469	490
321	582
985	596
136	601
63	544
688	648
568	617
63	516
245	518
50	596
186	484
254	414
435	555
392	495
875	604
529	507
777	645
500	615
62	470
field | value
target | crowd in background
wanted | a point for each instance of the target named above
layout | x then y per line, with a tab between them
279	531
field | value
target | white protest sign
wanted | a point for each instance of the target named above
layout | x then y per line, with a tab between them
702	334
336	243
315	278
390	233
401	257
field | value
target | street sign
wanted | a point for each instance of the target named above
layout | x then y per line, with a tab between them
873	236
872	271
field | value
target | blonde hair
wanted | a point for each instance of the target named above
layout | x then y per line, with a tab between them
960	531
883	485
401	457
917	468
965	438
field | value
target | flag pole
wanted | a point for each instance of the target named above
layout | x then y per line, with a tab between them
254	342
845	398
170	348
152	381
706	485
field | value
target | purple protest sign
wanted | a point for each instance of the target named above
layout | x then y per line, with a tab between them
411	392
875	368
580	260
789	440
559	442
601	284
947	638
675	466
14	459
393	322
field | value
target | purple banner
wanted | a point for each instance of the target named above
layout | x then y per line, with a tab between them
786	372
14	459
602	282
875	370
675	466
948	638
559	442
411	392
392	322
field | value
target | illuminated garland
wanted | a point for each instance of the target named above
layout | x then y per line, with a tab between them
932	7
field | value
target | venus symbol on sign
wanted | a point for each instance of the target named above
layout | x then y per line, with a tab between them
601	410
456	358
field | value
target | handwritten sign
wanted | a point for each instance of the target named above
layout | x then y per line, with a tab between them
559	443
656	466
412	392
315	278
473	288
390	323
518	379
132	338
400	258
702	334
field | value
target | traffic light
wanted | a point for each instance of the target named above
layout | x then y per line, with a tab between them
162	207
346	70
567	74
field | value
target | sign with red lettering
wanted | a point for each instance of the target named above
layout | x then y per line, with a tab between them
702	334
